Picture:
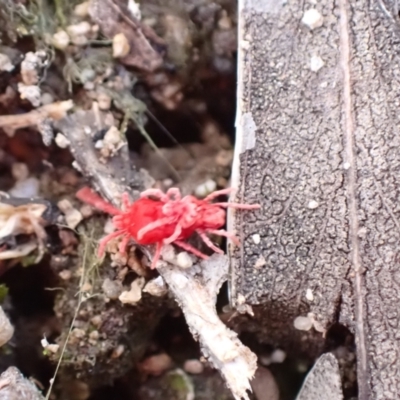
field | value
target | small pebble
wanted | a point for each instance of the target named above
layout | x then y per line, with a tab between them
112	289
104	101
30	92
60	40
72	216
78	333
225	22
86	287
53	348
313	19
108	226
118	351
316	63
94	335
99	144
168	254
61	141
19	171
44	342
96	320
46	98
183	260
156	287
303	323
5	63
205	188
134	295
6	329
256	238
309	295
278	356
86	211
260	262
120	46
134	9
193	367
82	10
112	136
313	204
241	299
65	274
27	188
157	364
82	28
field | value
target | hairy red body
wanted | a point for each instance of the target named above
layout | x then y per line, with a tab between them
159	218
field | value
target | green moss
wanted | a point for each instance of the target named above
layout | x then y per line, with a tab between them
179	383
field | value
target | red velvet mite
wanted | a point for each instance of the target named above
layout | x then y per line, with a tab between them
163	218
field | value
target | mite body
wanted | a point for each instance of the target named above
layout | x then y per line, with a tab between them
164	218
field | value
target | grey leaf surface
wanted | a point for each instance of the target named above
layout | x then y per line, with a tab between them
325	167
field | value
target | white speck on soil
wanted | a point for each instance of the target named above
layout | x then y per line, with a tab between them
260	262
193	367
303	323
316	63
313	204
278	356
134	295
157	364
256	238
72	216
205	188
156	287
61	141
309	295
312	19
184	260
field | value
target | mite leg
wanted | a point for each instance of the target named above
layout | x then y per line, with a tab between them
125	201
191	249
209	243
174	236
103	242
156	255
174	194
123	244
218	193
153	225
239	206
90	197
222	232
157	193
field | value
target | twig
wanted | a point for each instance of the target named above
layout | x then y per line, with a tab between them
54	111
195	289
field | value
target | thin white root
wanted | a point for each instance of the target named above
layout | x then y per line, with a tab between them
196	289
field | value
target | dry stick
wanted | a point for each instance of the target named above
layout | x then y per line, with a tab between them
54	111
195	289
